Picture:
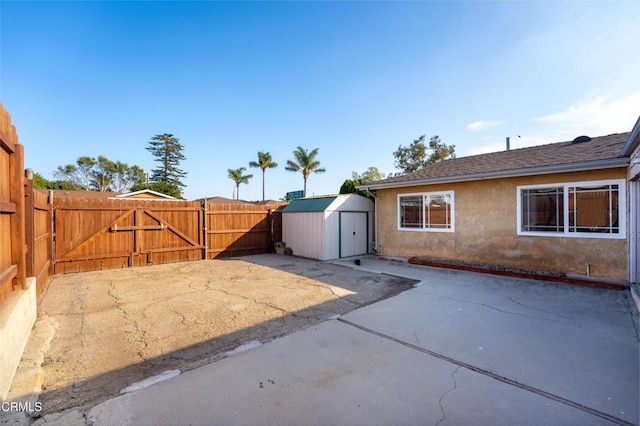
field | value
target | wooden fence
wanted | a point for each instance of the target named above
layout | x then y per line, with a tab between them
240	230
94	232
38	234
12	209
42	233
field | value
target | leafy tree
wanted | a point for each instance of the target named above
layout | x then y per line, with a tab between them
414	157
372	174
167	151
80	174
238	177
439	150
65	185
103	172
126	177
264	162
40	182
349	187
305	163
99	175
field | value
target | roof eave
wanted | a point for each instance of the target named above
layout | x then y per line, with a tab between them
530	171
633	140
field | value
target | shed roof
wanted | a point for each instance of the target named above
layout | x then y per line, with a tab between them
596	153
316	204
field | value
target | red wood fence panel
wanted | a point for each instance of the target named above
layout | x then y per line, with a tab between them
38	230
240	230
12	209
104	233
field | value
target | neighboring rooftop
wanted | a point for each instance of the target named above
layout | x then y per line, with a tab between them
578	154
222	200
145	194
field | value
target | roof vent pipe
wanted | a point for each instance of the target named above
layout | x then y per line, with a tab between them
509	142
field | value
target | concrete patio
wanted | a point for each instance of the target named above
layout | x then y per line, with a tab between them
461	348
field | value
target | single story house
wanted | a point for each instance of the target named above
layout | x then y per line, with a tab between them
569	207
145	194
328	227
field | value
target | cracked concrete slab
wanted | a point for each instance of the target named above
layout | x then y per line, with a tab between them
335	374
578	343
461	348
118	327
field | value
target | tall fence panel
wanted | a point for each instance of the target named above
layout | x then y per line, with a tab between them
38	230
105	233
240	230
12	209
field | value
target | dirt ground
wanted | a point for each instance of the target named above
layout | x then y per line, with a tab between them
117	327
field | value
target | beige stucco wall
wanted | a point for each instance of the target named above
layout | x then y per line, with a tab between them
17	316
485	230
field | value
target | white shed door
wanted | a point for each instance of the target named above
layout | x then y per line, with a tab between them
353	233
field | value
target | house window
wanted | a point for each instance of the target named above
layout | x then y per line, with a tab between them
543	210
582	209
431	211
412	212
594	209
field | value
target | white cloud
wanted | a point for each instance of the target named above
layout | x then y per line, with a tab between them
594	116
483	125
591	116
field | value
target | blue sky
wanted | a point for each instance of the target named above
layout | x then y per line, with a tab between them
354	79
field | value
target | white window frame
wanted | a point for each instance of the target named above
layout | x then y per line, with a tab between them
424	228
622	209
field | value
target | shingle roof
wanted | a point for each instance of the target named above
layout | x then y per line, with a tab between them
222	200
521	161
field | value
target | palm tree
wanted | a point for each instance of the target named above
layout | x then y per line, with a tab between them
237	176
264	162
305	163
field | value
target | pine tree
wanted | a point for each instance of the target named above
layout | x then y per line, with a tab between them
167	151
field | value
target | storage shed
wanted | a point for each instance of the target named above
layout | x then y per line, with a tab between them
328	227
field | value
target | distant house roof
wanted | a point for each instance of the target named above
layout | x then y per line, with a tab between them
314	204
83	194
267	202
223	200
145	194
580	154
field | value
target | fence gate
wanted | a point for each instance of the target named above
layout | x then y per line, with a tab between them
241	230
94	234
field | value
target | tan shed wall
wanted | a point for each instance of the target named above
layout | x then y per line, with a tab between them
304	234
485	230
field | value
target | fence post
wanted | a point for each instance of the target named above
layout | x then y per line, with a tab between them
29	206
52	235
18	243
204	229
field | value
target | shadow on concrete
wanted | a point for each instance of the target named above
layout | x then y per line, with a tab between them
352	289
